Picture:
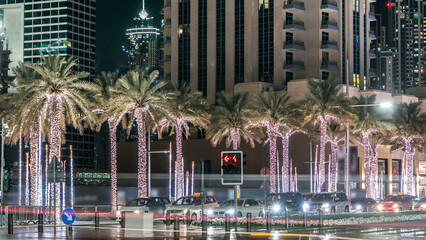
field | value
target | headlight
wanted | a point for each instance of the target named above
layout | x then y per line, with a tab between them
118	213
423	206
209	212
230	212
276	208
326	205
380	207
358	207
395	205
137	211
185	211
305	207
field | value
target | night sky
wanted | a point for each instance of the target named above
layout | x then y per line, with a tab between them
113	17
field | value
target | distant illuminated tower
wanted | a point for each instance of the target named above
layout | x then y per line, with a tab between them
143	42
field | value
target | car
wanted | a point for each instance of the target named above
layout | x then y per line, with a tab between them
245	206
307	197
330	203
142	205
420	204
363	205
396	203
164	200
189	208
278	203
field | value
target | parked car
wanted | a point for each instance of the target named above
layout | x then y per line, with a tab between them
307	197
420	204
396	203
330	203
164	200
189	207
143	205
363	205
278	203
245	205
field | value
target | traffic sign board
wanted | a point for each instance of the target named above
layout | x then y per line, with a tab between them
68	216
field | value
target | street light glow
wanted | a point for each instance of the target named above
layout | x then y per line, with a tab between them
385	105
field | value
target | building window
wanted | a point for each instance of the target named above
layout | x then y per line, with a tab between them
325	75
289	76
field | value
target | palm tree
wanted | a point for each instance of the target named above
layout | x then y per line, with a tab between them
335	135
106	82
323	104
410	126
135	99
183	108
231	119
273	114
54	96
367	124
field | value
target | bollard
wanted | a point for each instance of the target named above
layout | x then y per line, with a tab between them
123	220
227	223
40	222
97	220
248	222
268	222
320	213
168	220
10	223
69	230
286	215
176	226
305	222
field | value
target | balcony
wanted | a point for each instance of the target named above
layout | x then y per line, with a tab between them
167	41
329	45
295	6
168	58
329	25
371	35
294	45
372	54
294	65
372	73
294	26
327	65
371	16
327	5
168	22
168	4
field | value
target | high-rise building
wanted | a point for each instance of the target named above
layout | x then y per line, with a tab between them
143	42
408	30
67	26
218	44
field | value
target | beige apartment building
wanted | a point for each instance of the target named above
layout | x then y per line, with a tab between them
216	44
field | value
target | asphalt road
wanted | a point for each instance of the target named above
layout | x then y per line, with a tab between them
382	231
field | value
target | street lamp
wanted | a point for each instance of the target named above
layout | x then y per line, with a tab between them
384	105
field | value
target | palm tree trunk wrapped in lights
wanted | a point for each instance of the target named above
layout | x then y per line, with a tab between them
113	156
142	153
33	164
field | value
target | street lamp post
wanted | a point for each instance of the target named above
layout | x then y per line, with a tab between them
2	160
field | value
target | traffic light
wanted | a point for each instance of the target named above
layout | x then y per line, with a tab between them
7	181
232	167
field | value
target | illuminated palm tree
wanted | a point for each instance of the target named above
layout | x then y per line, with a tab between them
106	82
55	96
273	114
410	124
367	128
135	99
335	135
231	119
323	104
183	108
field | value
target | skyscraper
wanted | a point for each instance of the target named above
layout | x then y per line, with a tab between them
223	43
143	42
67	26
408	20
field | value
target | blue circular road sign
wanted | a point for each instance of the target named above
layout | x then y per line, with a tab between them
68	216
